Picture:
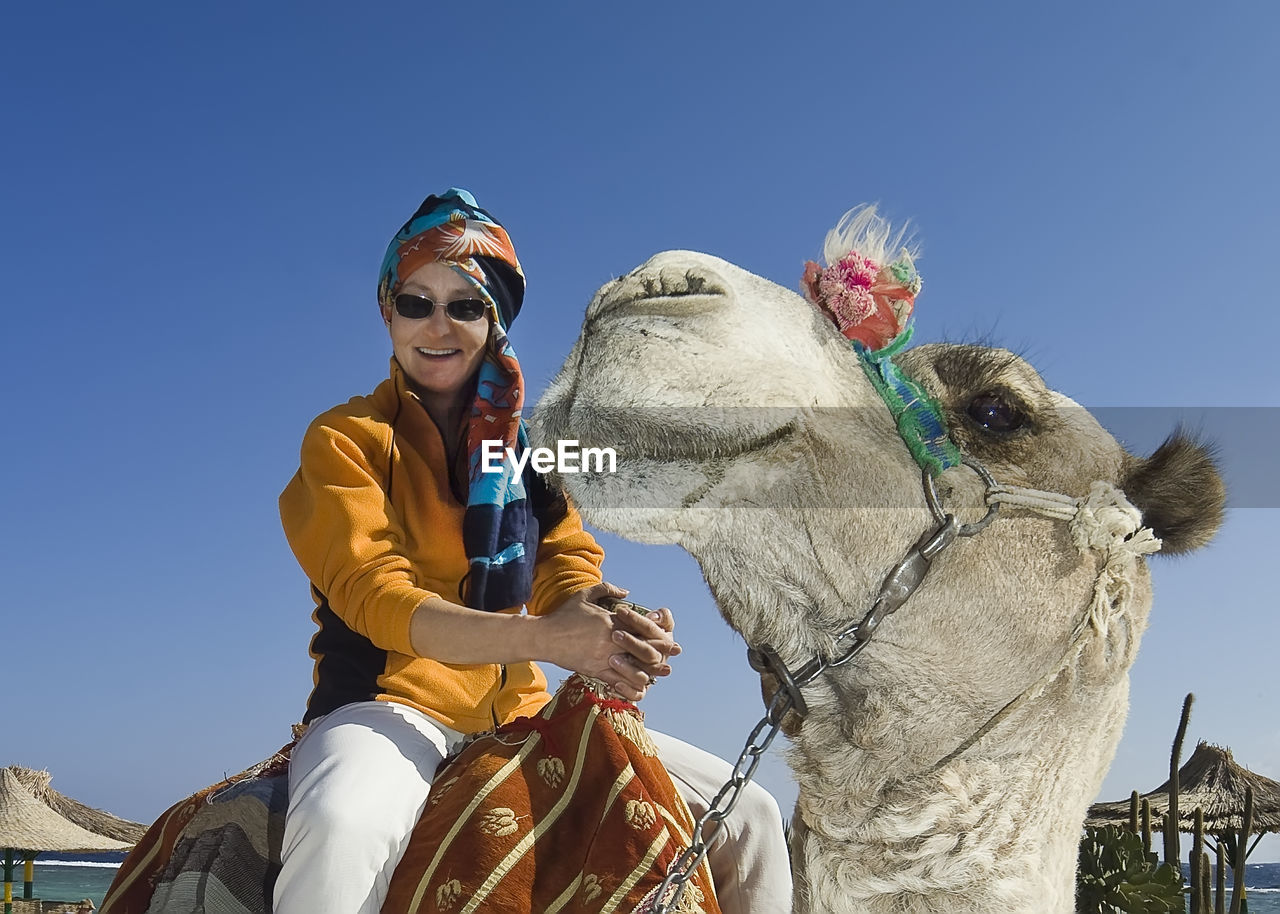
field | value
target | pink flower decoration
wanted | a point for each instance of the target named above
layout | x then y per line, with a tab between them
843	289
855	270
865	301
849	305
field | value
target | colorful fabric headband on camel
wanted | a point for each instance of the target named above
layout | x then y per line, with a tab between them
871	300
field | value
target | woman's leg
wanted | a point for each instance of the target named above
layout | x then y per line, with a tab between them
358	780
748	859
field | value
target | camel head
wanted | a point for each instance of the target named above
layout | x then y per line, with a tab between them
957	753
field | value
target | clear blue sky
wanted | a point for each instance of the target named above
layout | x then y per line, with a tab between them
196	198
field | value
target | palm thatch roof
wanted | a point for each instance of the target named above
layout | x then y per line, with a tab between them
1213	781
28	824
94	820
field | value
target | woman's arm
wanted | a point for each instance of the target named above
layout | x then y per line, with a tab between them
346	534
578	635
349	541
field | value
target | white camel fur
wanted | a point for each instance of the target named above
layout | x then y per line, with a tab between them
748	434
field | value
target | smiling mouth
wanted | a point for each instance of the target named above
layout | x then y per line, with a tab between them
436	352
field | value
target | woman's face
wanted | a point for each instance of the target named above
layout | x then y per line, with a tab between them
439	354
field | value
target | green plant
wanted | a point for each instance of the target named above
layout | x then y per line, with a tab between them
1116	877
1172	821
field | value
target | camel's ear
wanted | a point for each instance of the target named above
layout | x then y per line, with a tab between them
1179	491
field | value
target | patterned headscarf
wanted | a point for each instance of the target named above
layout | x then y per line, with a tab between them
499	530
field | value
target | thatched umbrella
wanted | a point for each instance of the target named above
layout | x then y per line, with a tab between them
1213	781
29	825
94	820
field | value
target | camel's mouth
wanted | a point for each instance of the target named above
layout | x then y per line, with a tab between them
665	435
706	434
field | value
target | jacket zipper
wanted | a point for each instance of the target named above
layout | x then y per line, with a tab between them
502	684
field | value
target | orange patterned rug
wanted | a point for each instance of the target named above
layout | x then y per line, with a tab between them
569	811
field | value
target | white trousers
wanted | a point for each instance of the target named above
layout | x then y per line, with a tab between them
359	779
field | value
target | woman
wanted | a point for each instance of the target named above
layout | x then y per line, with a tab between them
420	564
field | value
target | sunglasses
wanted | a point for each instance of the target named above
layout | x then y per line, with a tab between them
416	307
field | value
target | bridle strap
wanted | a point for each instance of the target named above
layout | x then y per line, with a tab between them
1127	537
1050	504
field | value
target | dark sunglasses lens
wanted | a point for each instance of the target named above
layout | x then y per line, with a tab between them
414	307
466	309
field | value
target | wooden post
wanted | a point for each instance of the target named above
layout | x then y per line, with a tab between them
8	880
1220	905
29	876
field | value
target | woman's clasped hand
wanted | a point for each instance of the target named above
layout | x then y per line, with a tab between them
626	649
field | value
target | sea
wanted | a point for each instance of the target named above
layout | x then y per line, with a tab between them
1262	887
72	877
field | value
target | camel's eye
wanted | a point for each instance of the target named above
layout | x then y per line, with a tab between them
995	413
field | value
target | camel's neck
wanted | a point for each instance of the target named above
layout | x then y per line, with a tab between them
995	829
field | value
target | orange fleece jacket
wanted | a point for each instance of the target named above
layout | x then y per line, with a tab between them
373	522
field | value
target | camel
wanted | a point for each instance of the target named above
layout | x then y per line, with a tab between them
949	766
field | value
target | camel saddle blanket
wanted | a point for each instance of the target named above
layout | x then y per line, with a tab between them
569	811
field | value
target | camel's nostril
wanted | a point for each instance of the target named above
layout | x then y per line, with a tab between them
675	281
666	284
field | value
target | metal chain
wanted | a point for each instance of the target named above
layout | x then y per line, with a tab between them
682	869
898	586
